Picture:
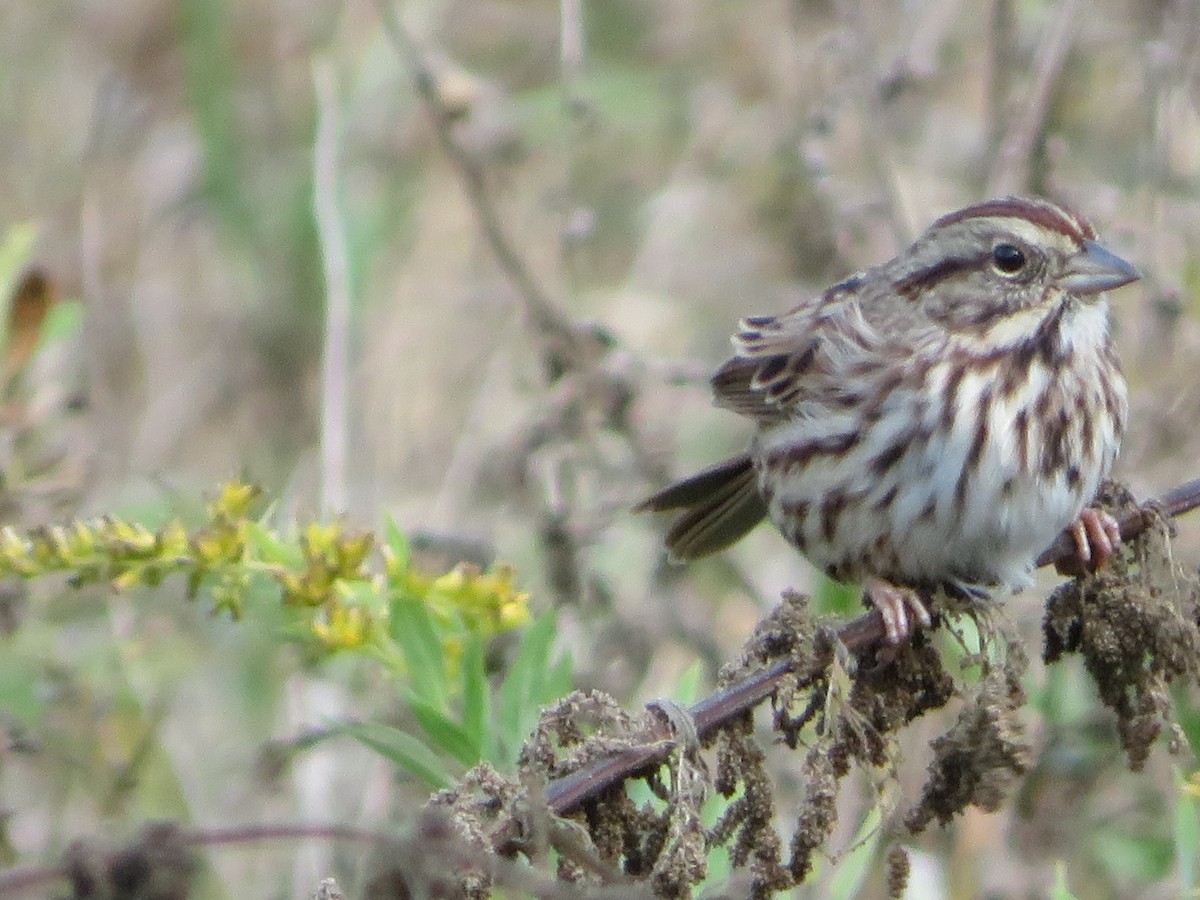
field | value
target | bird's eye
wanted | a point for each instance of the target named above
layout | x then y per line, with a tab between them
1009	260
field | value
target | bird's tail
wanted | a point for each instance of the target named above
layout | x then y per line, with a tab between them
720	505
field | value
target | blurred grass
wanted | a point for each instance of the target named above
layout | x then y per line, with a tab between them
210	73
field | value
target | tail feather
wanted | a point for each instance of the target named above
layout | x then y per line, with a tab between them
721	504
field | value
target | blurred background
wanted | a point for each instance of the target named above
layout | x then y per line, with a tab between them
538	274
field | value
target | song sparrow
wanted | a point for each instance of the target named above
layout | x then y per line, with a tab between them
936	420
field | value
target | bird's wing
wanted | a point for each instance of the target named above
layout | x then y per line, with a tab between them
821	351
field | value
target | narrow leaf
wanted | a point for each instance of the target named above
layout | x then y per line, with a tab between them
520	694
402	749
414	630
1187	840
397	543
446	734
475	698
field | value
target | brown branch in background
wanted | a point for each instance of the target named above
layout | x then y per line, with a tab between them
565	345
866	94
928	29
1028	122
998	77
563	795
427	862
594	382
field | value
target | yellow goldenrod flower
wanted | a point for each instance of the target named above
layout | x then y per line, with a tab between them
343	627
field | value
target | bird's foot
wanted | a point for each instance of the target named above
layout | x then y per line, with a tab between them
902	610
1096	536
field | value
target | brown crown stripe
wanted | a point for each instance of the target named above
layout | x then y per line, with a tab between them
1044	215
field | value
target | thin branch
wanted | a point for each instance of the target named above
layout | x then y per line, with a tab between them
566	794
565	344
1029	121
425	861
928	30
1001	64
861	48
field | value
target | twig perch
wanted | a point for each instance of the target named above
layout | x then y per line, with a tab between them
563	795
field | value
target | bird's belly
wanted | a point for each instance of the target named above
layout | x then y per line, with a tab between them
970	494
1007	519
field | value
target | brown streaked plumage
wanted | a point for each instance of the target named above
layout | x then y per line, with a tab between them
935	420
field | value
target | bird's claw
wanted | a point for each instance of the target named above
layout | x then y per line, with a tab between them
902	610
1096	537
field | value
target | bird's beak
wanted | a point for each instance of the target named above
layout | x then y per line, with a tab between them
1094	269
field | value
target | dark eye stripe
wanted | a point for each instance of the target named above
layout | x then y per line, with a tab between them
916	282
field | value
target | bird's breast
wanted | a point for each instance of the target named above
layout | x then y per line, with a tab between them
965	469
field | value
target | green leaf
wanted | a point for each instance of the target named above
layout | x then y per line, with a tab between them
64	321
475	698
852	868
720	870
560	680
446	734
416	632
832	598
1187	839
687	688
1187	714
402	749
20	692
362	592
270	548
397	543
521	693
15	252
1138	857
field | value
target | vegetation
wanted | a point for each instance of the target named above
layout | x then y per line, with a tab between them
446	281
